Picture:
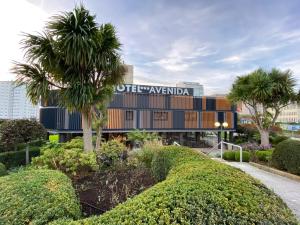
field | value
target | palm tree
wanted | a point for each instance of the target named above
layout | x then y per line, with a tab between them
264	93
76	56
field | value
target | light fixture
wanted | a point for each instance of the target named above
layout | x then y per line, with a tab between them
217	124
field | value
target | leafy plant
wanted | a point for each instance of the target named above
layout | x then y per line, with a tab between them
286	156
37	197
229	155
112	152
15	132
245	156
264	156
67	157
141	136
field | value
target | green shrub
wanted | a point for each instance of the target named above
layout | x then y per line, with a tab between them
198	190
54	138
286	156
2	170
18	158
14	132
36	197
111	153
264	156
160	165
277	139
229	155
245	156
66	157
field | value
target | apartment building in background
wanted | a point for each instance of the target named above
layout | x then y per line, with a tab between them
14	103
198	88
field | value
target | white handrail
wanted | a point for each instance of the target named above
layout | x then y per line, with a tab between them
240	147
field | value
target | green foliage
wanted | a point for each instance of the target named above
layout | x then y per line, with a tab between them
160	165
277	139
264	155
54	138
15	132
245	156
18	158
229	155
68	157
112	152
141	136
286	156
269	90
37	197
198	190
2	170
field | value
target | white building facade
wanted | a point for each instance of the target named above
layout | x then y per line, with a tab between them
14	103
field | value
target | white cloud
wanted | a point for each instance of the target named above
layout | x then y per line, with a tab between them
16	16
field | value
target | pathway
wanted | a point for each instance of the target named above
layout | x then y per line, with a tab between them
287	189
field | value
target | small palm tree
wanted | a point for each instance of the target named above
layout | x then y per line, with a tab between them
75	56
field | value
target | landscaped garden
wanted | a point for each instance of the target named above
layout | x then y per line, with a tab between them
154	185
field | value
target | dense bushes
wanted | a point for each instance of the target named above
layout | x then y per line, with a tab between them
18	158
277	139
198	190
286	156
67	157
13	132
36	197
2	170
264	156
235	156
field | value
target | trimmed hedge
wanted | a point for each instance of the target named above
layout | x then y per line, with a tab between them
18	158
198	190
229	155
245	156
264	156
37	197
286	156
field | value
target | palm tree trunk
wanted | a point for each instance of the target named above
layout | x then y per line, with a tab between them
99	137
264	137
86	120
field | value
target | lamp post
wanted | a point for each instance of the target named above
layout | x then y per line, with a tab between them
221	125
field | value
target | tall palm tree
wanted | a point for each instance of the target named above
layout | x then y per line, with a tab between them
76	56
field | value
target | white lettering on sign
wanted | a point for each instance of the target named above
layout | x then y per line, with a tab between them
133	88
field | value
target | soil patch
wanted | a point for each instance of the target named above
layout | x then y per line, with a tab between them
102	191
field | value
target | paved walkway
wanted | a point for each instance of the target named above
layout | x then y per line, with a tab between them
287	189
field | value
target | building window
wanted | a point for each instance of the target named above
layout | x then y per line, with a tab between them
160	115
129	115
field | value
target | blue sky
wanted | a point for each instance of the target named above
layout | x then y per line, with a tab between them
205	41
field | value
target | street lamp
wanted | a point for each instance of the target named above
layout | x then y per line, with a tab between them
221	125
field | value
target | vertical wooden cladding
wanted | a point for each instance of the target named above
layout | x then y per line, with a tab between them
145	119
182	102
157	101
115	119
165	123
191	119
208	119
203	103
229	118
130	100
222	104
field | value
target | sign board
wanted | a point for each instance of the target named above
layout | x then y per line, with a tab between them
145	89
293	127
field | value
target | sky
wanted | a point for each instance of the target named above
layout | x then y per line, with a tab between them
206	41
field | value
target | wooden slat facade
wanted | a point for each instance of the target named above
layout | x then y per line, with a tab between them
115	119
181	102
229	118
145	119
157	101
222	104
203	103
208	120
164	122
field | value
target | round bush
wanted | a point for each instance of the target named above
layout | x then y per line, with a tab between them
245	156
286	156
229	155
2	169
264	156
198	190
37	197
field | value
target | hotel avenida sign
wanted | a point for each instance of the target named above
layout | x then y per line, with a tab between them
145	89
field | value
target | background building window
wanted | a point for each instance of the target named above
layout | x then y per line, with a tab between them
160	115
129	115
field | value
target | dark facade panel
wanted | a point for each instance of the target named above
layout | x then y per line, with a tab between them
75	121
221	117
117	101
48	117
197	102
210	104
178	119
142	101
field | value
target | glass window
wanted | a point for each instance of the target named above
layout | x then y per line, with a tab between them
129	115
160	115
